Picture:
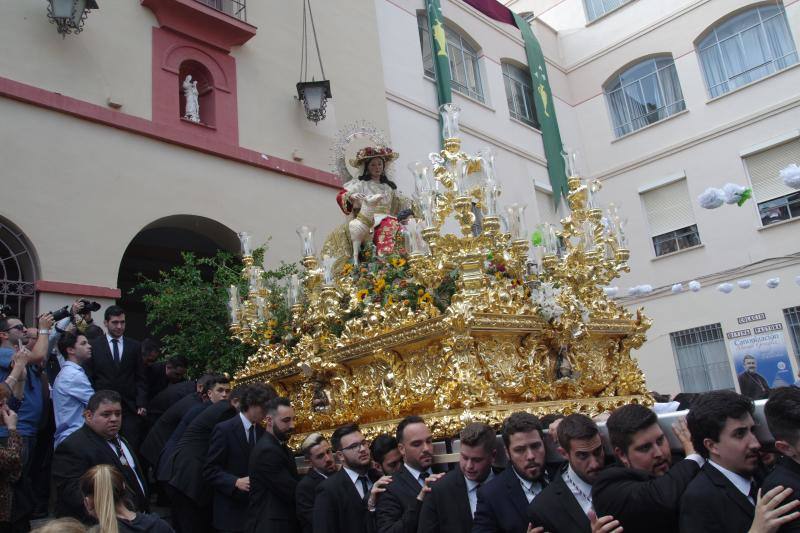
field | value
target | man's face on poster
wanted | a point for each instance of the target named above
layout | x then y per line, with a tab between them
749	364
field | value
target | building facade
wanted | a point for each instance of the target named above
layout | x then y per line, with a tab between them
661	100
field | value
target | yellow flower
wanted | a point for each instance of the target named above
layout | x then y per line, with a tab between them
390	301
498	275
272	323
363	293
268	334
420	292
397	262
380	283
425	299
347	268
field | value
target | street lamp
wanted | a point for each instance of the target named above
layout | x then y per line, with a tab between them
69	15
313	94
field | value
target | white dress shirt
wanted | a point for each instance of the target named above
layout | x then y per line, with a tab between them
579	488
741	483
530	488
472	490
120	342
129	458
354	478
246	423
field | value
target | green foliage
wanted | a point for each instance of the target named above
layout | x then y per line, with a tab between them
187	308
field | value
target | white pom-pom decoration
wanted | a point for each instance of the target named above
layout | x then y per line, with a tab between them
744	283
791	176
733	192
726	288
645	289
712	198
773	282
677	288
633	291
694	286
611	292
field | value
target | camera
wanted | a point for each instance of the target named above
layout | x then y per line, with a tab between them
60	314
6	311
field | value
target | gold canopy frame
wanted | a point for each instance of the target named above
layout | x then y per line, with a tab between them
522	329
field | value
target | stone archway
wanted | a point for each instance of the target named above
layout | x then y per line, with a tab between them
157	247
18	269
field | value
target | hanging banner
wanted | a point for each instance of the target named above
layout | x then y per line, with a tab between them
441	63
542	96
762	356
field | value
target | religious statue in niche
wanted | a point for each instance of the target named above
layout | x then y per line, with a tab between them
375	208
191	95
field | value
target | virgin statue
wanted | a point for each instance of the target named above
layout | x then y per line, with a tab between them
373	205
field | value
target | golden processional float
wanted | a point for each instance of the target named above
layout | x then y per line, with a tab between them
455	328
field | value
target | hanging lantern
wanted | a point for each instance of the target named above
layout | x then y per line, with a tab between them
314	95
69	15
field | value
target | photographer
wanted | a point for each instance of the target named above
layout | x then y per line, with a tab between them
76	319
36	396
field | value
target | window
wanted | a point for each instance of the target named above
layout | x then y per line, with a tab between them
17	271
670	217
792	316
673	241
597	8
465	71
746	47
776	201
645	93
519	93
702	359
235	8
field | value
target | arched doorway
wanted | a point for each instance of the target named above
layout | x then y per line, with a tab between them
17	272
158	247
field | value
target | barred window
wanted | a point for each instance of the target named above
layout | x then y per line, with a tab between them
519	93
746	47
702	359
643	94
465	73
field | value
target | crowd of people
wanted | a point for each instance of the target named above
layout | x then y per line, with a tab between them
117	432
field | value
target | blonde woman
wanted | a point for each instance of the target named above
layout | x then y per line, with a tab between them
105	498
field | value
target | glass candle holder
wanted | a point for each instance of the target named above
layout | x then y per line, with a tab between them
450	115
306	234
516	221
244	240
422	183
327	269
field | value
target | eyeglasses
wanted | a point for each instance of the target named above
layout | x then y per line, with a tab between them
19	327
356	445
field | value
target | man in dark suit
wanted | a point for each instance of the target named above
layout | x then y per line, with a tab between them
191	494
451	504
385	454
751	383
160	433
227	459
503	502
398	507
97	442
342	503
319	457
563	507
782	412
644	493
162	374
167	398
273	475
722	497
116	364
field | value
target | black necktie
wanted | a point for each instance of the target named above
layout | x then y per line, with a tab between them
251	436
422	477
115	342
753	492
364	489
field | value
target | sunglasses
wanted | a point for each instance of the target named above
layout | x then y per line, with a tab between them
19	327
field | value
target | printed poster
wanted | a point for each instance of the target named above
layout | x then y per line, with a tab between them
770	354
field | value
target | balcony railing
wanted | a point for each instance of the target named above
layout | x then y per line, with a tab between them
234	8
